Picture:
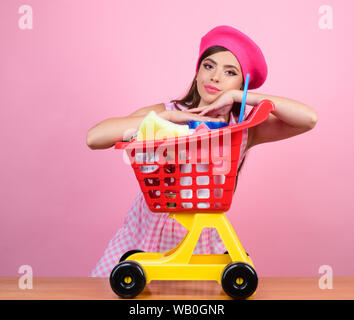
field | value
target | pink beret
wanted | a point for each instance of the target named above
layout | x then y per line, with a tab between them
246	51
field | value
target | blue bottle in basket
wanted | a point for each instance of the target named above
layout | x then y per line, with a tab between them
211	125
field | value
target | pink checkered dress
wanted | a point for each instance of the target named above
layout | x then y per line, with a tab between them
156	232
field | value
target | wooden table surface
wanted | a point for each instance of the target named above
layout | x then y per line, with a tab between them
99	288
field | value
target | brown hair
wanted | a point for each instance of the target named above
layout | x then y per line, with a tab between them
192	98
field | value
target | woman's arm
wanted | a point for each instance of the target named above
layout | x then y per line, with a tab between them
106	133
289	118
293	113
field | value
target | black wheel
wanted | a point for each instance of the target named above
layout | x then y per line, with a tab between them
239	280
127	279
127	254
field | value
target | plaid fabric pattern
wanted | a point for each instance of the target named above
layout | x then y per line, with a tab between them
155	232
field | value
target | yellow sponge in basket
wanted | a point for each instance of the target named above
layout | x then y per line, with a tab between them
154	127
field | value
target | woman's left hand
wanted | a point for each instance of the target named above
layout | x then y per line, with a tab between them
220	108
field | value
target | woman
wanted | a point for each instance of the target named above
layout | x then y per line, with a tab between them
226	56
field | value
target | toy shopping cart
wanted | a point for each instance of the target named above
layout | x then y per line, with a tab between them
193	178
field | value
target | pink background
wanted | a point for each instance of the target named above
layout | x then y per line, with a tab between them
85	61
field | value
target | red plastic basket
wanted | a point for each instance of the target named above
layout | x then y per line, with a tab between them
194	173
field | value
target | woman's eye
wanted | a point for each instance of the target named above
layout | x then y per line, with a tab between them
206	65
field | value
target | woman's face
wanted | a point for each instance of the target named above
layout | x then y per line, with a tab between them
220	70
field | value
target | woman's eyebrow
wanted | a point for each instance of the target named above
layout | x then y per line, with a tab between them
226	65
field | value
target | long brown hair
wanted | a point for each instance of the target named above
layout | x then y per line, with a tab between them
192	98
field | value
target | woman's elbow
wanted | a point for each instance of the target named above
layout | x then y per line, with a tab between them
91	140
313	120
95	141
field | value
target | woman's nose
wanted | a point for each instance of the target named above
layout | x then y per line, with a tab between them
215	76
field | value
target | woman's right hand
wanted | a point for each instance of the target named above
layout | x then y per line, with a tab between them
182	117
